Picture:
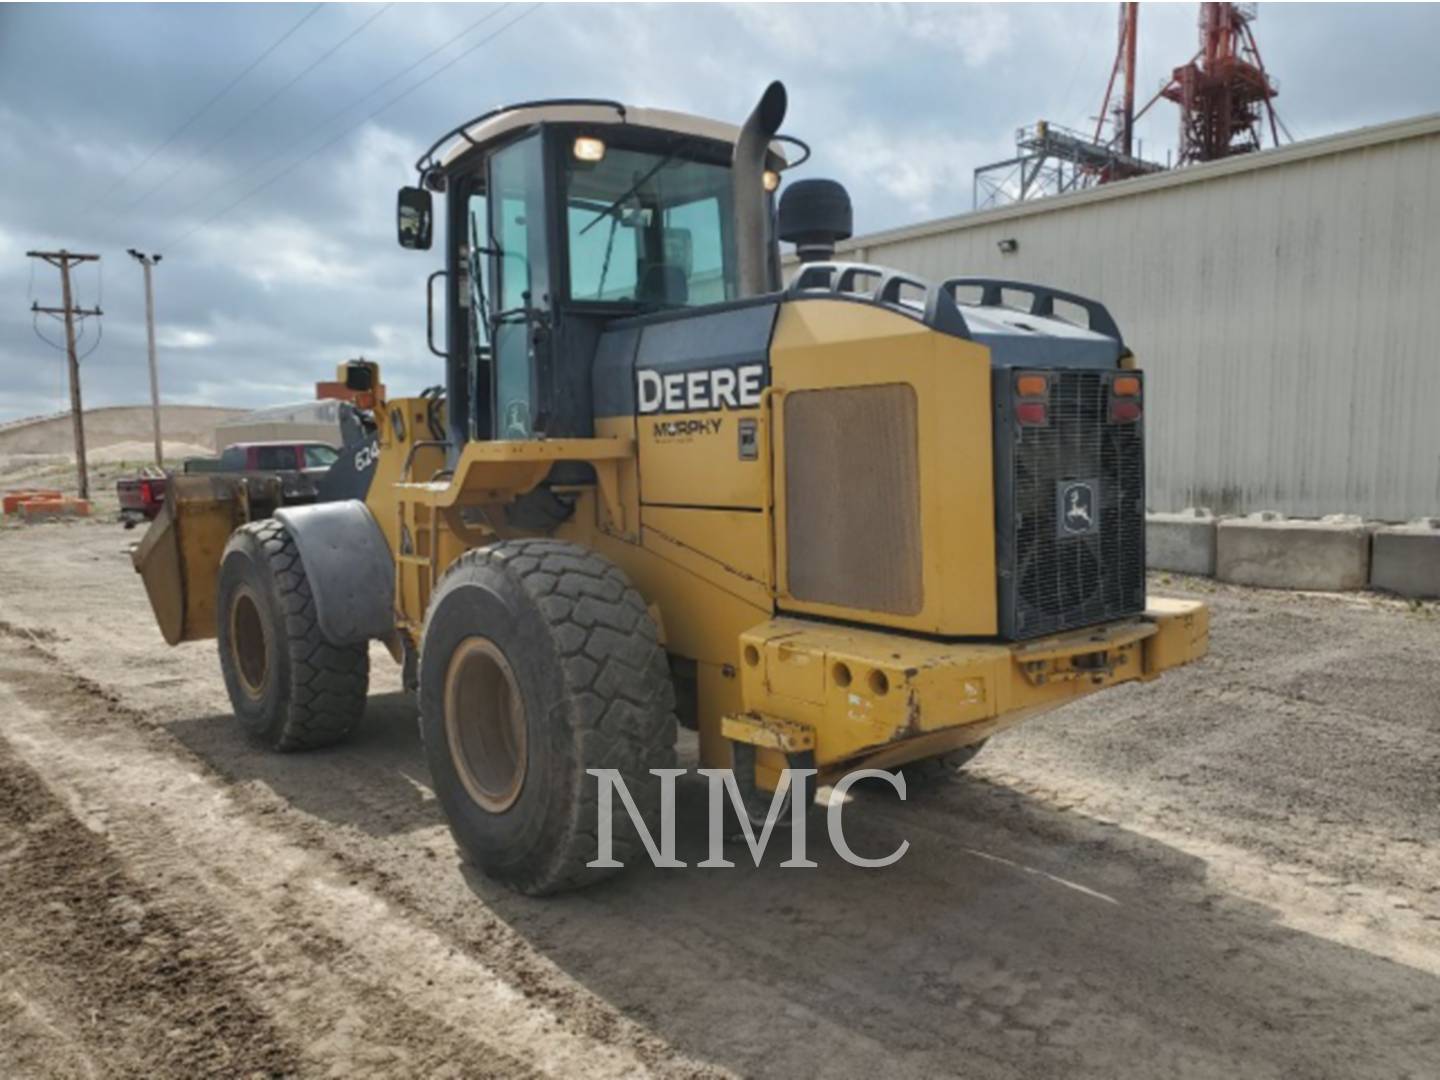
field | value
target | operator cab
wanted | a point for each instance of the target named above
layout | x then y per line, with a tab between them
562	217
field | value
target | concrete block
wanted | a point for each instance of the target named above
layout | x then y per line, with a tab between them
1289	553
1406	559
1183	542
13	498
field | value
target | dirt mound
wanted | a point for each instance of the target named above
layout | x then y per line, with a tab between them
193	425
135	450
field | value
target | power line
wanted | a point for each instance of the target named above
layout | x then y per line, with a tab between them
199	154
353	127
99	337
346	108
209	104
59	346
1083	61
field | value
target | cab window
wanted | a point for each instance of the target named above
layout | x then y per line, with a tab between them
319	457
649	228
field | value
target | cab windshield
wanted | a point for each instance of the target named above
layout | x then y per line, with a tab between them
649	228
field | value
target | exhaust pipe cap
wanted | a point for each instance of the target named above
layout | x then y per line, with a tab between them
769	114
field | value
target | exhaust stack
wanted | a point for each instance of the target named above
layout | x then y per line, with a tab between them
747	186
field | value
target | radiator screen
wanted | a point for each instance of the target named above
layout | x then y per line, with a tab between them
852	494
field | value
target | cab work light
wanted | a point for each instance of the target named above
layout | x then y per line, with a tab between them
588	148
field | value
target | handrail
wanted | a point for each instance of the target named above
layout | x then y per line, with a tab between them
430	313
1042	300
940	311
426	161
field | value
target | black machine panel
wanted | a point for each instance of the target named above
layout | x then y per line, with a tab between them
730	335
1070	508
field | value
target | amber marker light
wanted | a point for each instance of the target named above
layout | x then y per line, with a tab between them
1126	386
1029	386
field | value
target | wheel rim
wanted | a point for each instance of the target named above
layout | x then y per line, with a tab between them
485	724
249	642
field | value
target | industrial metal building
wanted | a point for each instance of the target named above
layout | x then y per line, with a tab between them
1285	305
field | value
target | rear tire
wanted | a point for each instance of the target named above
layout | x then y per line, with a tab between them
540	661
290	688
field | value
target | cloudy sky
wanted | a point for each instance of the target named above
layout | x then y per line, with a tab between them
274	207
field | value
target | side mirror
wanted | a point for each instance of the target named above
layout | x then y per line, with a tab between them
813	215
414	218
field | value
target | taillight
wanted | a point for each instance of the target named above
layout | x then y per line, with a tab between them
147	493
1124	412
1033	392
1031	413
1125	407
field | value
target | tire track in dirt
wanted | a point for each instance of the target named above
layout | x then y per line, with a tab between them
358	987
95	968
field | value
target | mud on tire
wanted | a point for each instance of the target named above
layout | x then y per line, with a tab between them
540	661
290	688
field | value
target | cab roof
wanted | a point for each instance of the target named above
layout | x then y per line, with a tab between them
491	126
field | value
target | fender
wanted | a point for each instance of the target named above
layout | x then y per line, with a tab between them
349	567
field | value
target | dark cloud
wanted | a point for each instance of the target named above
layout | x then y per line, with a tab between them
900	102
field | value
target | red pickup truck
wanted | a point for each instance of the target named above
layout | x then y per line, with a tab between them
142	496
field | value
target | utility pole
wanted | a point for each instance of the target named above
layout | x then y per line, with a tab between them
63	259
148	262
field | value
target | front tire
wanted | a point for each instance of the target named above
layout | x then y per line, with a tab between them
540	661
290	688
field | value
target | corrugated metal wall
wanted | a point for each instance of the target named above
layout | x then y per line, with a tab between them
1286	309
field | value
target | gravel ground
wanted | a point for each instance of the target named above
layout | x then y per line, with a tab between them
1234	871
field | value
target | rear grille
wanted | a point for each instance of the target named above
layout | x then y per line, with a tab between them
1070	504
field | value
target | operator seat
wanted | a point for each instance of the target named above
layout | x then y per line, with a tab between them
663	283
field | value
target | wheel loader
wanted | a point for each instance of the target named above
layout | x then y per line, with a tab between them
855	520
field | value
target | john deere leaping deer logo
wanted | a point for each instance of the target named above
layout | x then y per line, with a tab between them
1077	507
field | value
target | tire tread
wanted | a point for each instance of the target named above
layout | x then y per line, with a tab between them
617	691
328	683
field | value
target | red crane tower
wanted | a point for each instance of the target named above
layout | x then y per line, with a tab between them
1225	98
1122	113
1224	93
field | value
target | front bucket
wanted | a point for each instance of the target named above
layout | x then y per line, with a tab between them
179	556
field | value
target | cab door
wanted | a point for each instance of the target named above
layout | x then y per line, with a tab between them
520	269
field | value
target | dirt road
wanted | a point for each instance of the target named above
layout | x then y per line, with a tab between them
1232	872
